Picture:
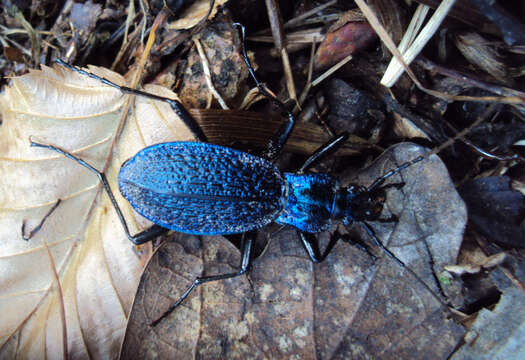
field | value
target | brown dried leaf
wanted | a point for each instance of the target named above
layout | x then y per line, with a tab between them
346	307
195	13
97	266
337	45
226	127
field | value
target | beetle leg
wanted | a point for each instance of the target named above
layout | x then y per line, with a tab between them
311	246
357	243
136	239
276	143
326	149
246	250
176	105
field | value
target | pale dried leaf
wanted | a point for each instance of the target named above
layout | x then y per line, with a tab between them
98	267
472	268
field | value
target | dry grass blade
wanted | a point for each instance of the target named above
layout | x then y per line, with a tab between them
395	69
408	38
207	74
387	40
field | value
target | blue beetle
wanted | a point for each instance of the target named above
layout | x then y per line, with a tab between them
206	189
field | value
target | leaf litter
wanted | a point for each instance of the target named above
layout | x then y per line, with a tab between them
348	306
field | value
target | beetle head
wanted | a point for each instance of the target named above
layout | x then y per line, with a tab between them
358	203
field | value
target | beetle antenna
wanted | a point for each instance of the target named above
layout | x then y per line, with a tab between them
381	180
493	107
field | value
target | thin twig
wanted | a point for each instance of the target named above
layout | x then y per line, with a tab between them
480	151
207	74
279	39
307	14
308	85
466	79
330	71
33	36
159	20
484	116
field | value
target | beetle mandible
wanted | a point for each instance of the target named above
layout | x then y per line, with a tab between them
205	189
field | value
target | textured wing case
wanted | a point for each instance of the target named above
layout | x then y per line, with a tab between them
201	188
